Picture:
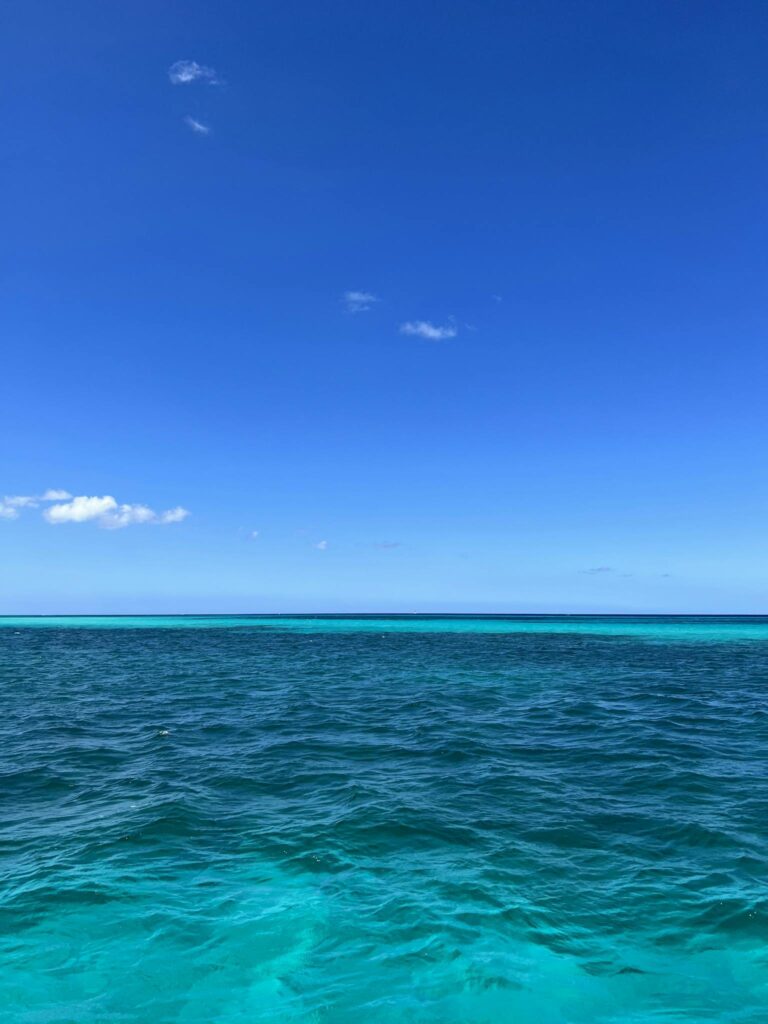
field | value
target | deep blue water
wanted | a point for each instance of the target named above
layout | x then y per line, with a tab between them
216	820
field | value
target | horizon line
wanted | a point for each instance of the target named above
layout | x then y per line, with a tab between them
382	614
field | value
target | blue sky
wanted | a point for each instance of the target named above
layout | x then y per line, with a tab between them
555	399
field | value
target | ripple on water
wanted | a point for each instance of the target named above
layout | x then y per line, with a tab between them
432	820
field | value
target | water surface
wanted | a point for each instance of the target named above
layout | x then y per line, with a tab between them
222	819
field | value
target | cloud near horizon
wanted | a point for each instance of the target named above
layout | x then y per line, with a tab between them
110	515
185	71
105	511
426	329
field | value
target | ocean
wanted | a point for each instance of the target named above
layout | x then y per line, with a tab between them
533	820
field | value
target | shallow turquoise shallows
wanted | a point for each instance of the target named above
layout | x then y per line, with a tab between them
209	820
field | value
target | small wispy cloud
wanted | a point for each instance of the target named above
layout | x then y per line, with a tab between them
597	570
185	71
426	329
20	501
359	302
197	126
322	545
172	515
11	503
253	534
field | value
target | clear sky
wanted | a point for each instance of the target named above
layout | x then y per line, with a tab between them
410	306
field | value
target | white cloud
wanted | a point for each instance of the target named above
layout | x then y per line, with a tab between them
185	71
428	330
197	126
21	501
127	515
253	534
321	545
173	515
11	503
359	302
81	509
107	513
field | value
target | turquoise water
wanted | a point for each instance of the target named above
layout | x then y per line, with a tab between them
383	819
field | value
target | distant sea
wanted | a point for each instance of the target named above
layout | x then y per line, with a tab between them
370	820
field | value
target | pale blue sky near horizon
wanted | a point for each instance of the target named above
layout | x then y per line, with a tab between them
553	398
